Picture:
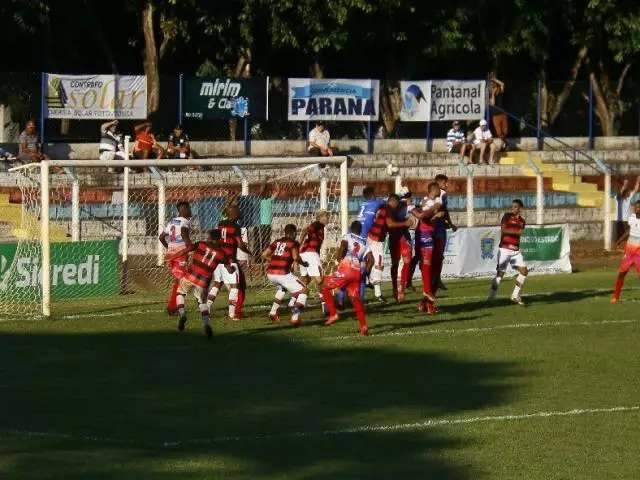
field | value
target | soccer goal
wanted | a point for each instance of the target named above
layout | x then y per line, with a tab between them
84	233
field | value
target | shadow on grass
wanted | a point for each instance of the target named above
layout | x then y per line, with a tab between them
143	393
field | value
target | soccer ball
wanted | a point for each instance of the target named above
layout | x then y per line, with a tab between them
392	170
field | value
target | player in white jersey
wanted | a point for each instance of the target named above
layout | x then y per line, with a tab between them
176	237
631	251
353	253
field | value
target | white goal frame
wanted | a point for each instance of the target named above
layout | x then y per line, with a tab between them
46	166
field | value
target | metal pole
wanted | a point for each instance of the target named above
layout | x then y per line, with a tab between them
180	98
428	137
539	199
607	210
245	187
344	197
45	262
469	199
398	184
75	210
162	205
539	116
323	193
590	114
43	92
247	137
125	203
369	139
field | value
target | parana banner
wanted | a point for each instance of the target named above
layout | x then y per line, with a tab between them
95	97
472	252
442	100
78	270
333	99
224	98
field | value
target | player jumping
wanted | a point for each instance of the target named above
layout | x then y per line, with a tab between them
631	251
400	248
352	254
206	258
312	238
512	225
440	233
175	237
281	254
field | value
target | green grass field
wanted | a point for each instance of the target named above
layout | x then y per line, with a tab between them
548	391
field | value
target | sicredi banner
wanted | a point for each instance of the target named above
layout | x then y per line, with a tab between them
78	270
95	97
416	101
457	100
224	98
333	99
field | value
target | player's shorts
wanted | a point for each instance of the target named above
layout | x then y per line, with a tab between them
108	155
345	277
221	274
377	250
177	267
185	287
631	258
400	247
508	257
288	281
315	265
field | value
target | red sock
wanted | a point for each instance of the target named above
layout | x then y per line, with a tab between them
327	296
425	268
618	287
172	307
358	309
240	303
404	275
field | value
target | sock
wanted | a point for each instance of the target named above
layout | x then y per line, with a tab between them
404	275
520	279
180	304
377	290
292	301
240	302
323	304
394	279
233	299
425	269
618	286
204	311
279	296
213	293
358	309
331	304
171	303
301	299
295	314
495	283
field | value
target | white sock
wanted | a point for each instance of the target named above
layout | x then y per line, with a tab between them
377	290
520	279
295	315
279	296
292	301
180	304
213	293
301	299
496	283
233	298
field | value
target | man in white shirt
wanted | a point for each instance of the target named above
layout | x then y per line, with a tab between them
319	140
483	140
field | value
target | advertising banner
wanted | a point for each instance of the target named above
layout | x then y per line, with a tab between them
416	101
224	98
333	99
457	100
78	270
95	97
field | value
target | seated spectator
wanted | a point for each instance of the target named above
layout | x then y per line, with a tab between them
29	146
457	140
319	141
178	145
483	141
111	147
146	143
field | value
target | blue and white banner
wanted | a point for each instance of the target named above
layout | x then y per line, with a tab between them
442	100
416	101
333	99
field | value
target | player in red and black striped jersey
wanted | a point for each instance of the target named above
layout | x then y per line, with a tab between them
281	254
312	238
511	228
207	256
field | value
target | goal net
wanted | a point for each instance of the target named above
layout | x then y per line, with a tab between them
100	235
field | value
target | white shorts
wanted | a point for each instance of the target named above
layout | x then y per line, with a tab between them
289	282
377	250
185	287
107	155
315	265
221	274
508	257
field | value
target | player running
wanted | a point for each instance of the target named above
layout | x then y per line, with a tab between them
207	256
400	248
231	240
631	251
352	254
311	240
429	213
382	222
175	237
512	225
440	233
281	254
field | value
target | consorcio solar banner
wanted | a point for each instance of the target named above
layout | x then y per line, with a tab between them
335	99
442	100
225	98
95	97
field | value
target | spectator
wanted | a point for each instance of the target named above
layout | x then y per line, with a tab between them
499	118
111	147
456	140
624	197
178	145
483	140
29	146
146	143
319	141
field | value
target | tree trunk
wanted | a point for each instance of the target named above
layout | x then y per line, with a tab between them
316	70
390	106
150	58
241	70
608	99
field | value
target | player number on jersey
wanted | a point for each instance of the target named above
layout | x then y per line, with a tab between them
205	258
280	248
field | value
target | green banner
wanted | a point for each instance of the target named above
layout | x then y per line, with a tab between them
541	243
78	270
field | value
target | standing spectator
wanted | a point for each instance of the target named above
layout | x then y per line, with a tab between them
29	145
498	116
483	140
178	145
624	198
319	141
456	140
146	143
111	147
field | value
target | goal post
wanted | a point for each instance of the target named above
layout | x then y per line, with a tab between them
72	202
